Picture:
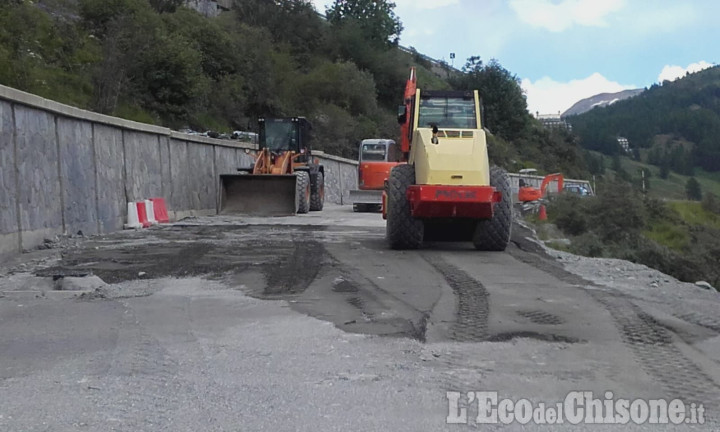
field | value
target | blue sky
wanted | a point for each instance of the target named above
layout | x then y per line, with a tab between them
567	50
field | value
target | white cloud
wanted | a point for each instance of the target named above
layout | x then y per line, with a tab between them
557	17
547	96
672	72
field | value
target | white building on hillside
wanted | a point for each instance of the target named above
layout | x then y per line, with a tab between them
624	144
552	121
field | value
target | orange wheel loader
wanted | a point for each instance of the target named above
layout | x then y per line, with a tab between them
284	179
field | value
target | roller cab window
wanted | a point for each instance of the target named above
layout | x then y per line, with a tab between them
451	111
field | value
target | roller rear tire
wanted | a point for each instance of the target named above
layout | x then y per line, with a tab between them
402	230
494	234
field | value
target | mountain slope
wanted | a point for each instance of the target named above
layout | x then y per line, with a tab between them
600	100
687	111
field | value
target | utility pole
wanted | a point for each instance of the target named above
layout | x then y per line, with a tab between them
642	170
643	175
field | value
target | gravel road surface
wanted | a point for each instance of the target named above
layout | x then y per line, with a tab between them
309	323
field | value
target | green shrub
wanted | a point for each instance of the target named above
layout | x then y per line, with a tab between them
669	234
617	213
661	258
710	203
587	244
568	212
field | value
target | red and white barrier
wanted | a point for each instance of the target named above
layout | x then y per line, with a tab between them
145	213
161	213
150	210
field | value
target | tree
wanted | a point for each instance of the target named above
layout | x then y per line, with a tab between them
376	18
504	103
711	203
166	6
692	189
664	168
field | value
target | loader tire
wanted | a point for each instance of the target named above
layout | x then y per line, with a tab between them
303	192
317	194
402	230
494	234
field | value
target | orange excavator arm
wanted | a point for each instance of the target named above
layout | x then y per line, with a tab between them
550	178
408	101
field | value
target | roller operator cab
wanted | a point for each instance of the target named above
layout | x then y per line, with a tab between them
447	191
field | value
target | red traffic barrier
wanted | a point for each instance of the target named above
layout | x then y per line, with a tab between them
142	214
161	213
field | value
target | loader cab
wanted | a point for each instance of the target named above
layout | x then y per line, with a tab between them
285	134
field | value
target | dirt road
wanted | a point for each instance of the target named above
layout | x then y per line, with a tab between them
311	323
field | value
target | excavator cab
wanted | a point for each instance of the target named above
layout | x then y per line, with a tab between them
376	158
283	180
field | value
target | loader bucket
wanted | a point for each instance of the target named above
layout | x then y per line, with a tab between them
258	195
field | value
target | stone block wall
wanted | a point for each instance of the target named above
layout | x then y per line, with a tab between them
64	170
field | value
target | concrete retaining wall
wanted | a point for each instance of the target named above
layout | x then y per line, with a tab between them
64	170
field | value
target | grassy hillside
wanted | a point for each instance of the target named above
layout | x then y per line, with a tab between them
672	188
678	122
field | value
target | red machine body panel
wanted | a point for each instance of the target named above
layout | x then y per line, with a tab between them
372	175
434	201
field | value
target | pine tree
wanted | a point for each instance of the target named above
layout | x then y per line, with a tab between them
692	189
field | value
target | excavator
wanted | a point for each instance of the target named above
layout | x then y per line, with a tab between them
446	190
528	193
284	179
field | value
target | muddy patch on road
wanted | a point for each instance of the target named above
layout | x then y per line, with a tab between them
290	258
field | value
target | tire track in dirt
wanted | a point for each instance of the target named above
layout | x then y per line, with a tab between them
656	352
471	324
472	298
651	343
377	304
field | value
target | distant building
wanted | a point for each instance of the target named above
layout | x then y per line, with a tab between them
624	144
209	8
553	121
